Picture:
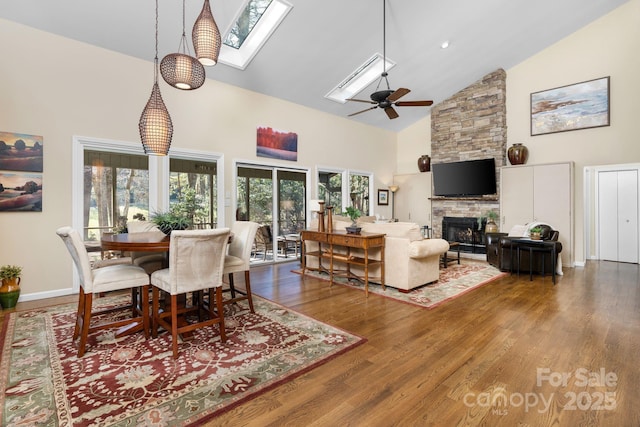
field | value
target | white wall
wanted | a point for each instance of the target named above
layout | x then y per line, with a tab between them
608	46
58	88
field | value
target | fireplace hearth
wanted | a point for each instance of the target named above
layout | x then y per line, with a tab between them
467	232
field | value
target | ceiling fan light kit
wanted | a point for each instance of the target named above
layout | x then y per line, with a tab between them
181	70
206	37
387	99
155	126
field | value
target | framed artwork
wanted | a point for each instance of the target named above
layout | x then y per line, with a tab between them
20	172
383	197
277	144
578	106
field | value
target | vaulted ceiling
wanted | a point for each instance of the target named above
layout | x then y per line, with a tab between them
321	42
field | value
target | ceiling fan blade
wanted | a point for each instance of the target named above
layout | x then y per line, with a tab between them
399	93
353	114
391	112
413	103
361	100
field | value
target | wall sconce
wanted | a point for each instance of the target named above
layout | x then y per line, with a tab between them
393	189
155	126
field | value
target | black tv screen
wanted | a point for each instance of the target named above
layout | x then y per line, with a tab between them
468	178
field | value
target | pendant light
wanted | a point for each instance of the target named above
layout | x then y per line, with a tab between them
181	70
206	37
156	129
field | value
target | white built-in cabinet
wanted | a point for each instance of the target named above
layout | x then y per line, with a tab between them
541	193
412	200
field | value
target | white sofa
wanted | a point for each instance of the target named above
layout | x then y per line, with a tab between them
410	260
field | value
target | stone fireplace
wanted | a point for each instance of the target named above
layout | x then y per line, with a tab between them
467	232
469	125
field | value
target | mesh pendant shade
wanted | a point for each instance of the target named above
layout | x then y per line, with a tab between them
206	37
182	71
156	129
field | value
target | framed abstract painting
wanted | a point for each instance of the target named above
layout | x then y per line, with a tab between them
577	106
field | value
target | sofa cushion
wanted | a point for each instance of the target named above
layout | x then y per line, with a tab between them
408	230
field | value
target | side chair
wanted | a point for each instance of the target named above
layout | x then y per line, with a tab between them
101	280
239	258
196	263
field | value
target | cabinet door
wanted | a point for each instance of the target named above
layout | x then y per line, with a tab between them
552	202
516	196
412	203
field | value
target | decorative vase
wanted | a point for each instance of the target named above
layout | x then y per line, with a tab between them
534	236
518	154
353	229
424	163
9	292
491	227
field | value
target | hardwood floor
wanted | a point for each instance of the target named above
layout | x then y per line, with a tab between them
445	367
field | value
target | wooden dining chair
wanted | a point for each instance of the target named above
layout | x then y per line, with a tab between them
101	280
239	258
196	263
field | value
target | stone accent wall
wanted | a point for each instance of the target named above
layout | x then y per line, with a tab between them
470	125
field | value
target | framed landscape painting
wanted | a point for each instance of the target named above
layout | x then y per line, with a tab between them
383	197
578	106
20	172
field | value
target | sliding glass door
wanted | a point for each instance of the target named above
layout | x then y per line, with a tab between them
275	198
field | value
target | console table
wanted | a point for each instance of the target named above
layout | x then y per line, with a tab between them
328	242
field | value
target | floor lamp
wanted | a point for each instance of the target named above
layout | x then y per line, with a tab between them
393	189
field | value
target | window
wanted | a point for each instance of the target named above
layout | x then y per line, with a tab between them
359	188
330	188
116	190
253	27
192	186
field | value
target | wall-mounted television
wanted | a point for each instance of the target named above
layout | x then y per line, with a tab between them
464	179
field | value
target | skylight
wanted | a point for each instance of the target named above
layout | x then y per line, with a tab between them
362	77
251	29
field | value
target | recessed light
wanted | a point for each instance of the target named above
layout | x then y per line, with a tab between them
445	44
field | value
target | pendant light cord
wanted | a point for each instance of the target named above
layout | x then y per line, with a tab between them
155	68
184	46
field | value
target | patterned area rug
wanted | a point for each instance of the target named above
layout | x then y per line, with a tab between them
133	381
455	280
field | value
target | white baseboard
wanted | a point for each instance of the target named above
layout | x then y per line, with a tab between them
48	294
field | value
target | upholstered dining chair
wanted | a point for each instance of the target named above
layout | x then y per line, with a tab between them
100	280
150	261
196	263
238	259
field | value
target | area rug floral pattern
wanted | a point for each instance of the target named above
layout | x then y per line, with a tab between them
455	280
133	381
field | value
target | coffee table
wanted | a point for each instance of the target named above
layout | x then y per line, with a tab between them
452	246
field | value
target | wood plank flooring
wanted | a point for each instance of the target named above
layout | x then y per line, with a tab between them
490	357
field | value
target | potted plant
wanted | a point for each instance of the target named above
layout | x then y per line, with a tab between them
534	233
170	220
10	289
353	214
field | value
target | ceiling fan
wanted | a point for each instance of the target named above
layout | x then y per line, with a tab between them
386	99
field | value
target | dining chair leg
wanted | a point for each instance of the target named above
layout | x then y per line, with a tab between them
86	320
232	286
144	310
79	314
155	311
220	307
174	325
247	284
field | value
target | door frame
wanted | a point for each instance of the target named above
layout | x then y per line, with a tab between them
275	167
